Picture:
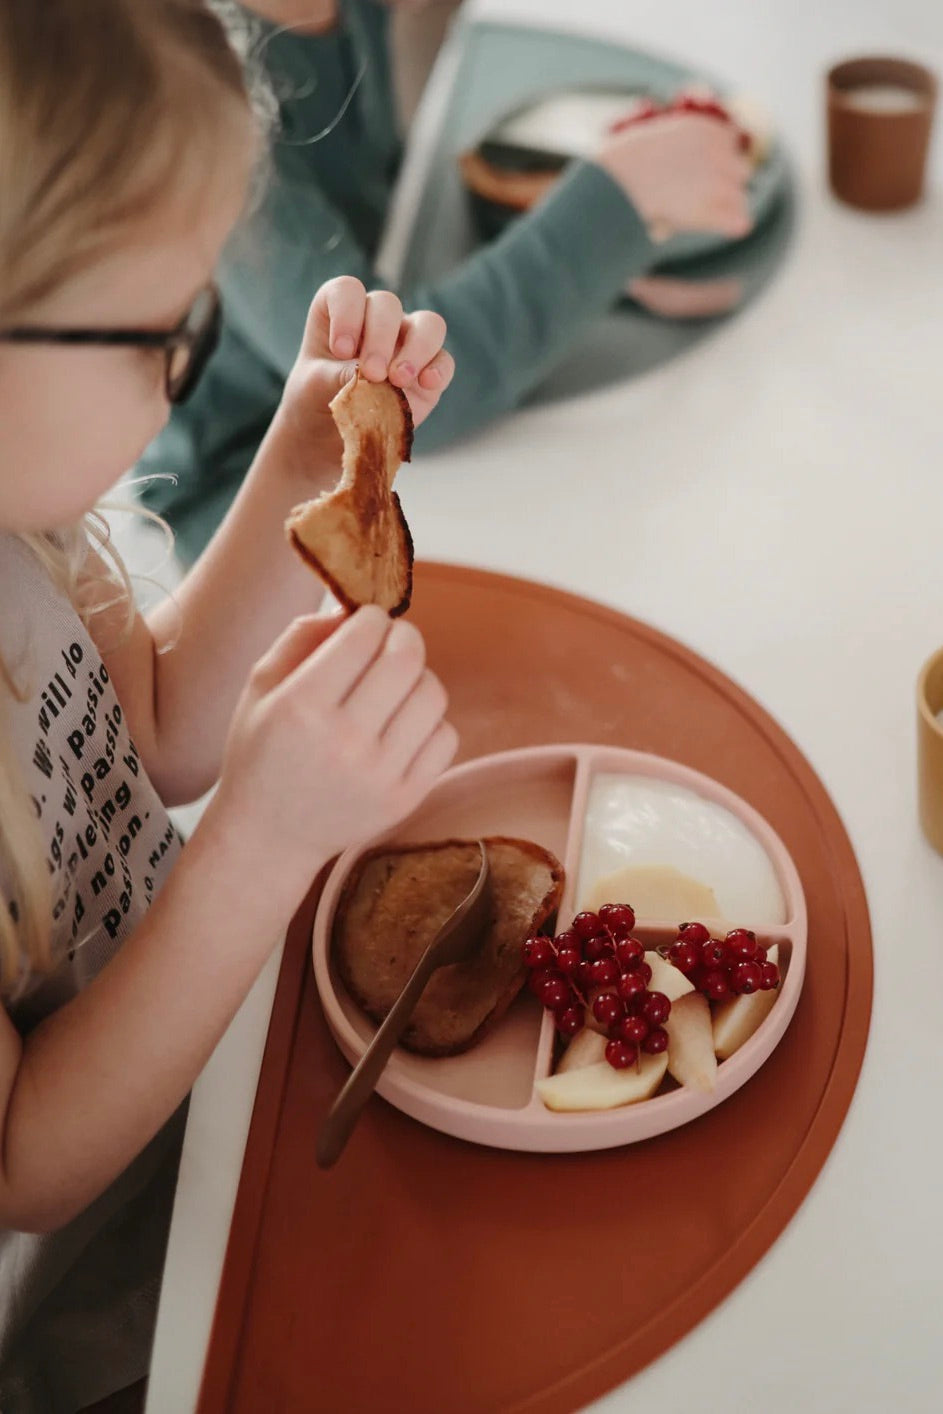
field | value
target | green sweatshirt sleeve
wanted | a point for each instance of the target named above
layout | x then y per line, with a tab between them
516	306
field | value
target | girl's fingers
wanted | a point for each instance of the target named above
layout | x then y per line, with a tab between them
421	339
437	375
417	718
292	647
433	757
389	680
381	326
336	318
334	673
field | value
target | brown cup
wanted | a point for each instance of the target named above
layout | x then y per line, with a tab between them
877	156
930	749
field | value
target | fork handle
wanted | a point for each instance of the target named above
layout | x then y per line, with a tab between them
361	1083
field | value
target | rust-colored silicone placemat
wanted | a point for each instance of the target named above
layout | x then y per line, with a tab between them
424	1274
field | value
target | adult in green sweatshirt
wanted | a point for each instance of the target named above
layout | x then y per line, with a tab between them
513	309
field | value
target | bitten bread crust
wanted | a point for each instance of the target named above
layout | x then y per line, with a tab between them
356	537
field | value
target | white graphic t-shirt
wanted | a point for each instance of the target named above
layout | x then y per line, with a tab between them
77	1306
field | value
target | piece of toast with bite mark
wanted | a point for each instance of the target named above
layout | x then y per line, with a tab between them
356	537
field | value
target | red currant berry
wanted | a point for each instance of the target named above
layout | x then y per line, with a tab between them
608	1009
569	1019
634	1029
684	956
621	1055
538	952
595	948
747	977
604	972
629	953
714	953
698	978
693	933
741	945
619	918
630	985
770	975
656	1008
569	939
569	961
586	925
716	985
537	978
584	976
644	971
555	991
656	1041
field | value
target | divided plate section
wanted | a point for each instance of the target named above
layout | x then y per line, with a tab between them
648	831
599	810
526	794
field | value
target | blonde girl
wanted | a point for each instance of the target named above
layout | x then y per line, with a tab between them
126	144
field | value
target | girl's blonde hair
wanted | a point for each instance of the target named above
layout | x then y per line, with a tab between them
106	107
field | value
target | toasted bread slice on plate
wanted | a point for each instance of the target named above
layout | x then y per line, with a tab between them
395	901
356	537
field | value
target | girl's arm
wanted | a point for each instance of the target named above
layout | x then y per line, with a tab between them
338	736
87	1090
179	674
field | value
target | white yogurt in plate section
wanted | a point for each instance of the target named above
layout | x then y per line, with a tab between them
641	822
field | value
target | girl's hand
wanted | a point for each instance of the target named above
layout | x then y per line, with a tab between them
347	328
682	172
348	324
339	734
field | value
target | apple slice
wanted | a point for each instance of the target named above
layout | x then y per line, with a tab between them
691	1058
667	978
601	1087
736	1020
586	1048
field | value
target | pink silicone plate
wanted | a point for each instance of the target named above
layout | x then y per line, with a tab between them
488	1094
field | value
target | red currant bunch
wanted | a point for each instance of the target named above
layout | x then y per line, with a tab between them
595	973
723	967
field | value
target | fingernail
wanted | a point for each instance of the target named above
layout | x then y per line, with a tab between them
374	368
405	371
432	377
344	347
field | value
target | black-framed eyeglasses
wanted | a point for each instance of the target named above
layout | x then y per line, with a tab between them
187	347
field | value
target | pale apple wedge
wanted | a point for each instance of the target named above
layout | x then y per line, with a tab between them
691	1058
586	1048
736	1020
600	1087
667	978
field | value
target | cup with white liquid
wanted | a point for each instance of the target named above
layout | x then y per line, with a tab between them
880	113
930	749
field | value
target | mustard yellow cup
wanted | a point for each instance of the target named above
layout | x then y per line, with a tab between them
930	749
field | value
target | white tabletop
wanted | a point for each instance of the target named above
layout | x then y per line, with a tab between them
774	499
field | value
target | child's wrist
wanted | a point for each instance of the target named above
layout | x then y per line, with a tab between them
233	852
